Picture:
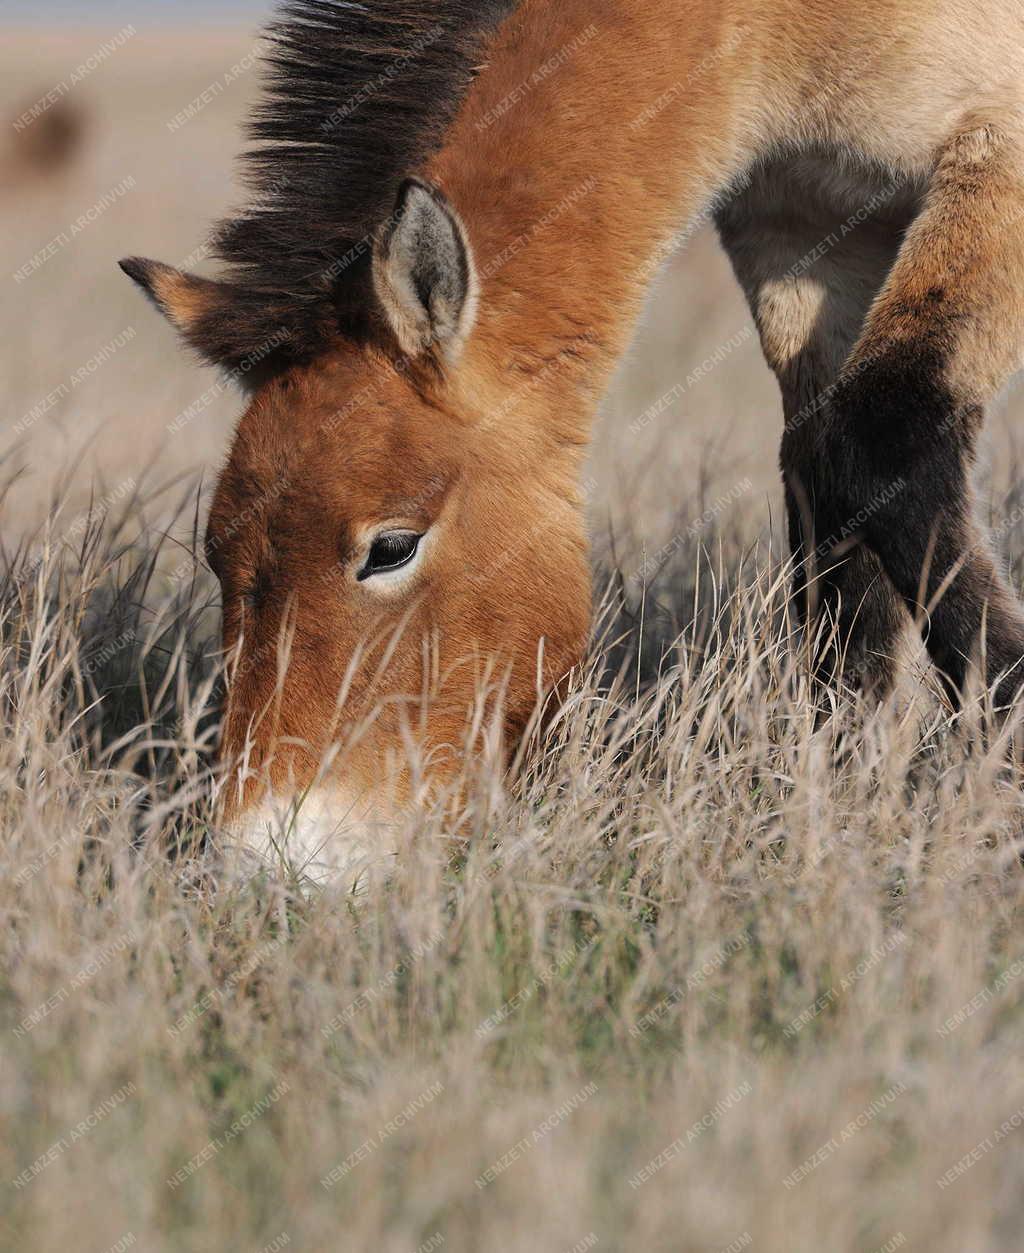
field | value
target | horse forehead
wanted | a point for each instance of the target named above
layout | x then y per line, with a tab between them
352	450
344	413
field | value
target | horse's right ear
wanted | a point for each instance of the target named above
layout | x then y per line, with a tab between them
227	325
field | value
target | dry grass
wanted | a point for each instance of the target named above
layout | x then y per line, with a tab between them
694	906
696	924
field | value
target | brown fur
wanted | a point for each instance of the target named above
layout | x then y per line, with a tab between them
567	180
325	481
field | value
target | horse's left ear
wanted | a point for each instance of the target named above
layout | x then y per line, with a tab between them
423	272
227	325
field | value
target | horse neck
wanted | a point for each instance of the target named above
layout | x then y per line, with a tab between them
592	134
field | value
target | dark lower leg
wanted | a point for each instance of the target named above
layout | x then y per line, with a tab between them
851	611
966	613
896	449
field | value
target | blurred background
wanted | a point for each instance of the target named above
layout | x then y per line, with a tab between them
98	160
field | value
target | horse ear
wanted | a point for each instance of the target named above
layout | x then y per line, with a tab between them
227	325
184	299
423	272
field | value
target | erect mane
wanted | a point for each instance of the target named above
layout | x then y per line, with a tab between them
357	97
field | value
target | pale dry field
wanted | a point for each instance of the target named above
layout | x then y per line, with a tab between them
703	977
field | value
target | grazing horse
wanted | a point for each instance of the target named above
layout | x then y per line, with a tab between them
458	207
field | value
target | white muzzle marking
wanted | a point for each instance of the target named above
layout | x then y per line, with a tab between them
328	837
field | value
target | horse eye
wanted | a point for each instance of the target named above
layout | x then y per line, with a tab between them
389	551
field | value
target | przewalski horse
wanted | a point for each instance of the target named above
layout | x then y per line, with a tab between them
458	207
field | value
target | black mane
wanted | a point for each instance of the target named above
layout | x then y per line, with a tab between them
357	97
